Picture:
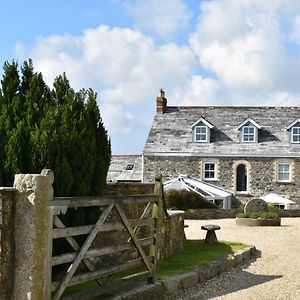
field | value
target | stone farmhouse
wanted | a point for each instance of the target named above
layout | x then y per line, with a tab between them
249	151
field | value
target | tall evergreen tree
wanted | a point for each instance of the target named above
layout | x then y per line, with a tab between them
59	129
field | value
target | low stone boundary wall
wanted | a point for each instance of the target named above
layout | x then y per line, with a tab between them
205	214
132	188
162	288
288	213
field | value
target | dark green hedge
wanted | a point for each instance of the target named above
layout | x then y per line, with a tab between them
181	199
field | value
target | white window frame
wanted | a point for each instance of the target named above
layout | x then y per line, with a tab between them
295	135
284	172
214	170
244	134
195	134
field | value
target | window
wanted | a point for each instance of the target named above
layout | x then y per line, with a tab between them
283	172
295	134
209	171
201	134
248	134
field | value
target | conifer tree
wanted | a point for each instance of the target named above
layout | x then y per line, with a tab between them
59	129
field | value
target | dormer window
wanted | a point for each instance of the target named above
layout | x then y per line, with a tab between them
248	134
294	129
249	131
201	131
200	134
295	135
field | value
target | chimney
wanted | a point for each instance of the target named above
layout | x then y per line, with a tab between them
161	102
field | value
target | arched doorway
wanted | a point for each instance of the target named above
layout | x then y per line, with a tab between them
241	178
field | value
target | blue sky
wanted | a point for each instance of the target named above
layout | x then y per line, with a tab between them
210	52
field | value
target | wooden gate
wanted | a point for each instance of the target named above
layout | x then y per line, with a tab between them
7	242
139	242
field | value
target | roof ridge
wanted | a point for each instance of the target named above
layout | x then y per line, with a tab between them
232	106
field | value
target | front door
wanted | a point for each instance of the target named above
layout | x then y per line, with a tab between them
241	178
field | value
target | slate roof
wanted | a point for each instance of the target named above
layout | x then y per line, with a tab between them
118	171
171	132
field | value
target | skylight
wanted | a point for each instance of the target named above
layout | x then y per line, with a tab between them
129	167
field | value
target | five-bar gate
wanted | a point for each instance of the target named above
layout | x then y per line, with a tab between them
133	241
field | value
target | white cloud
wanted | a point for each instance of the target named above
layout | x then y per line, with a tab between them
164	18
245	44
197	91
124	66
295	34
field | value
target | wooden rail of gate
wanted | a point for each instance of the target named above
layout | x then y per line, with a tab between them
7	242
144	247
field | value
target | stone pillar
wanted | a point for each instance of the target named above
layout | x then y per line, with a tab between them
33	229
162	218
7	265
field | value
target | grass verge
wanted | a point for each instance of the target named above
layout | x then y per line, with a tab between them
194	254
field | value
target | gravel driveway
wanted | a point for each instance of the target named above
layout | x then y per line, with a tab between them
274	275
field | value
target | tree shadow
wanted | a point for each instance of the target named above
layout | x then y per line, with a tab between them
245	280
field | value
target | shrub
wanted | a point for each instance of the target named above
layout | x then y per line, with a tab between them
271	205
182	199
254	215
243	215
269	215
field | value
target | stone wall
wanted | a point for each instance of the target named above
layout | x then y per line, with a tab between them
129	188
171	235
262	175
206	214
169	167
288	213
170	230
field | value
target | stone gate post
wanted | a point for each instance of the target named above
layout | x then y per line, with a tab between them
33	229
7	244
162	217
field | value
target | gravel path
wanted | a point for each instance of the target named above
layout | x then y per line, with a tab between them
274	275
